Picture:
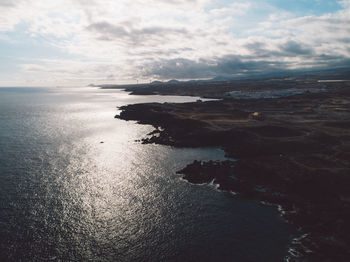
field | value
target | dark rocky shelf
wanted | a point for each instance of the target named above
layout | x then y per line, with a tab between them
291	151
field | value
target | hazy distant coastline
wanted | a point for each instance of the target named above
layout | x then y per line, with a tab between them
279	85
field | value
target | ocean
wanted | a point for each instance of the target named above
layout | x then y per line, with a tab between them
76	186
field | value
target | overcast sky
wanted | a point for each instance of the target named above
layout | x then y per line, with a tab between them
69	42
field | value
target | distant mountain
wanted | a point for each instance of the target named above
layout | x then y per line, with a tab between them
156	83
326	74
173	81
221	78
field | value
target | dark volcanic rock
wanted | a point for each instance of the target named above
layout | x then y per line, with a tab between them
297	156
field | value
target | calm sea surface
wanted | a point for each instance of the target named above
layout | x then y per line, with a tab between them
64	196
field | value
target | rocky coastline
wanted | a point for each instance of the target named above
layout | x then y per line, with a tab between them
293	152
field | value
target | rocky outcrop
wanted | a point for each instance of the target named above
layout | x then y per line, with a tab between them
297	156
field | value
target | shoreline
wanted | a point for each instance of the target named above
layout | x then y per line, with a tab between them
292	151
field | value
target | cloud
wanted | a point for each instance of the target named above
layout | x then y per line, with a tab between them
175	2
292	47
6	3
136	36
229	66
172	38
345	3
237	8
9	3
235	66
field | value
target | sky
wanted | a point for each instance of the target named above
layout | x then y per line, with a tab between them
77	42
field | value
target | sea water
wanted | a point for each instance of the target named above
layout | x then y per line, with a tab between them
76	186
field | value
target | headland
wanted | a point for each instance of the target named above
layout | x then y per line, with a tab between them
289	150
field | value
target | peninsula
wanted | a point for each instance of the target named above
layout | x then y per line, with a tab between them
289	149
